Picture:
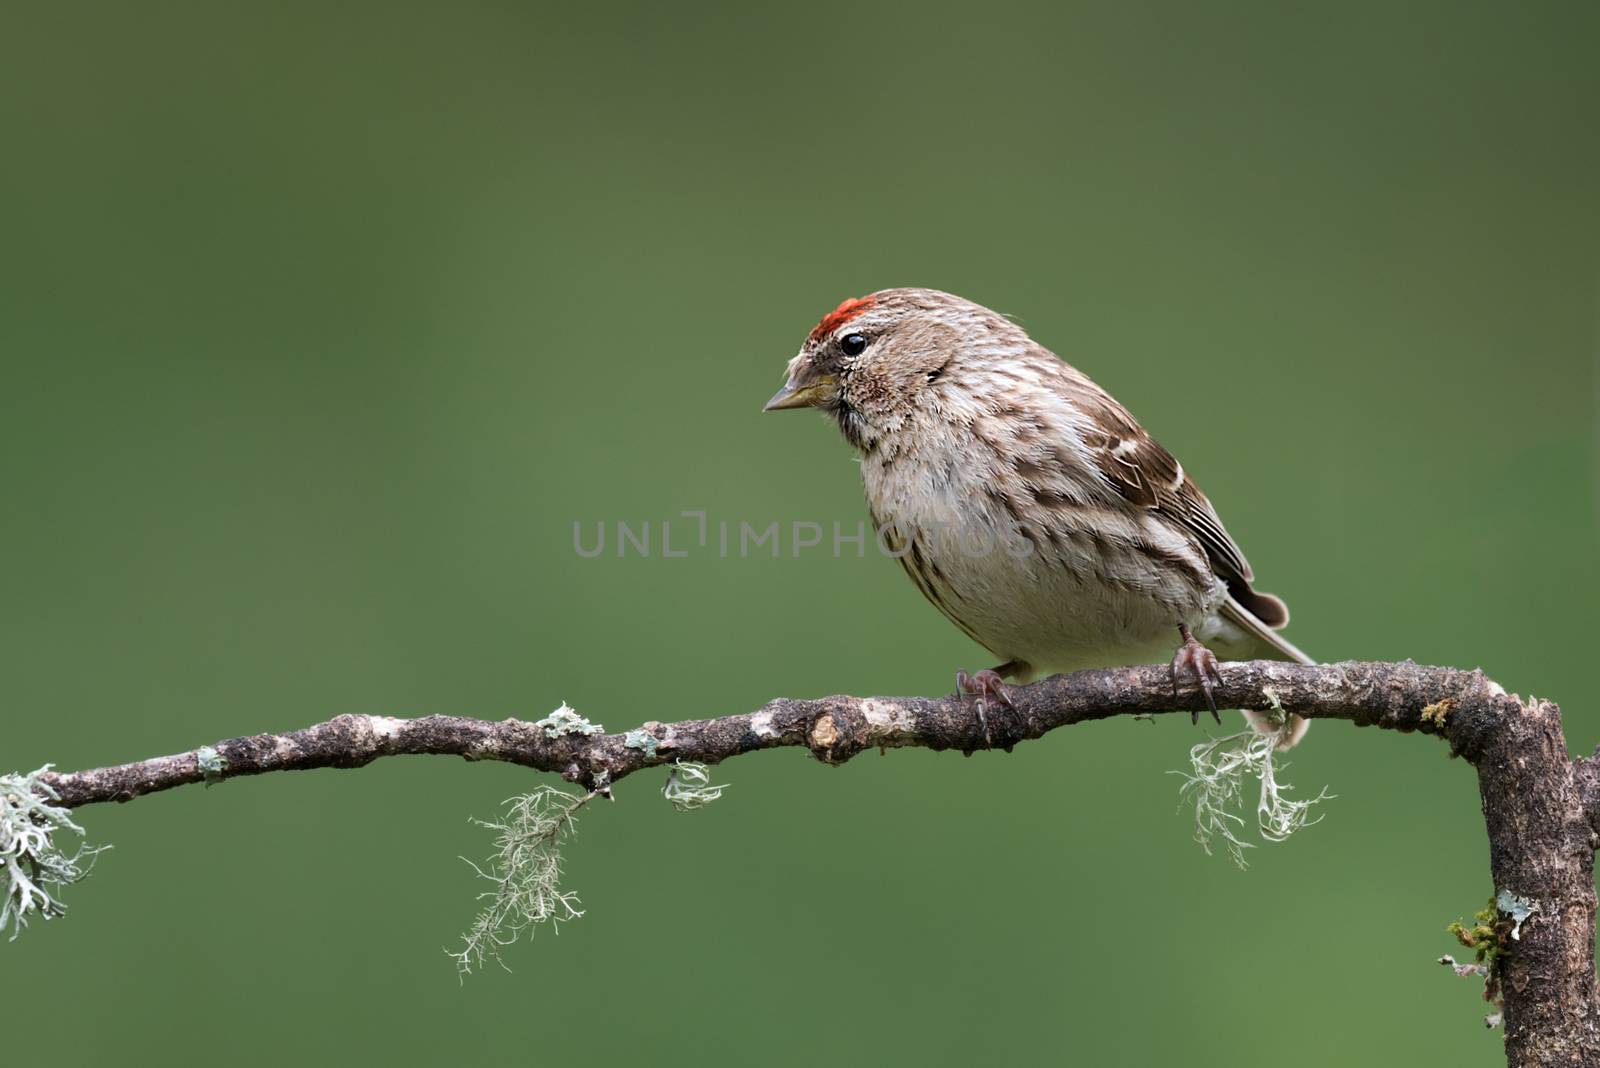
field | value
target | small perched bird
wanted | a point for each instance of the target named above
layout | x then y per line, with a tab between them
1025	502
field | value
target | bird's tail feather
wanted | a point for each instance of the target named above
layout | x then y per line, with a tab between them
1273	646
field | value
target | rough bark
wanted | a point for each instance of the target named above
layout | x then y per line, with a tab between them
1541	809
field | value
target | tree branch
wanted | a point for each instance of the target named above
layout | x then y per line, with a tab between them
1393	696
1540	808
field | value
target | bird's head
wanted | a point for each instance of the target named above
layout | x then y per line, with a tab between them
875	362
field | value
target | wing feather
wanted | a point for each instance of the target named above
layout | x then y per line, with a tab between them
1146	475
1246	620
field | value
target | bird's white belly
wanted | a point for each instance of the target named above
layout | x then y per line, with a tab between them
1056	613
1069	601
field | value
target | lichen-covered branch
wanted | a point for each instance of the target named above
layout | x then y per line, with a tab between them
1458	705
1541	809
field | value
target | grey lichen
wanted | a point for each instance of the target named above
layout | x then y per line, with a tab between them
211	764
689	786
526	872
1518	908
642	740
1464	971
1215	782
35	868
565	721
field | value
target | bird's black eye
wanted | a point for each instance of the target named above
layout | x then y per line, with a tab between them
852	344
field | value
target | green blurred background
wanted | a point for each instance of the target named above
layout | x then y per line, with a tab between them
323	323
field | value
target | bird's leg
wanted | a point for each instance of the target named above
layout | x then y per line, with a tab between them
1202	662
983	686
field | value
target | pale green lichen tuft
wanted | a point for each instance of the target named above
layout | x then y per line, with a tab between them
642	739
1215	782
526	872
689	786
211	764
34	868
565	721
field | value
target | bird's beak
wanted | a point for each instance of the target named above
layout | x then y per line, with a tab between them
803	390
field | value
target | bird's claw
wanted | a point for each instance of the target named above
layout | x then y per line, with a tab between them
986	685
1194	658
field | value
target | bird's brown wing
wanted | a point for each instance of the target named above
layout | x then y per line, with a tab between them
1148	476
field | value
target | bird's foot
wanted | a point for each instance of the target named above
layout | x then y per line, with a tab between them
1195	659
985	686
